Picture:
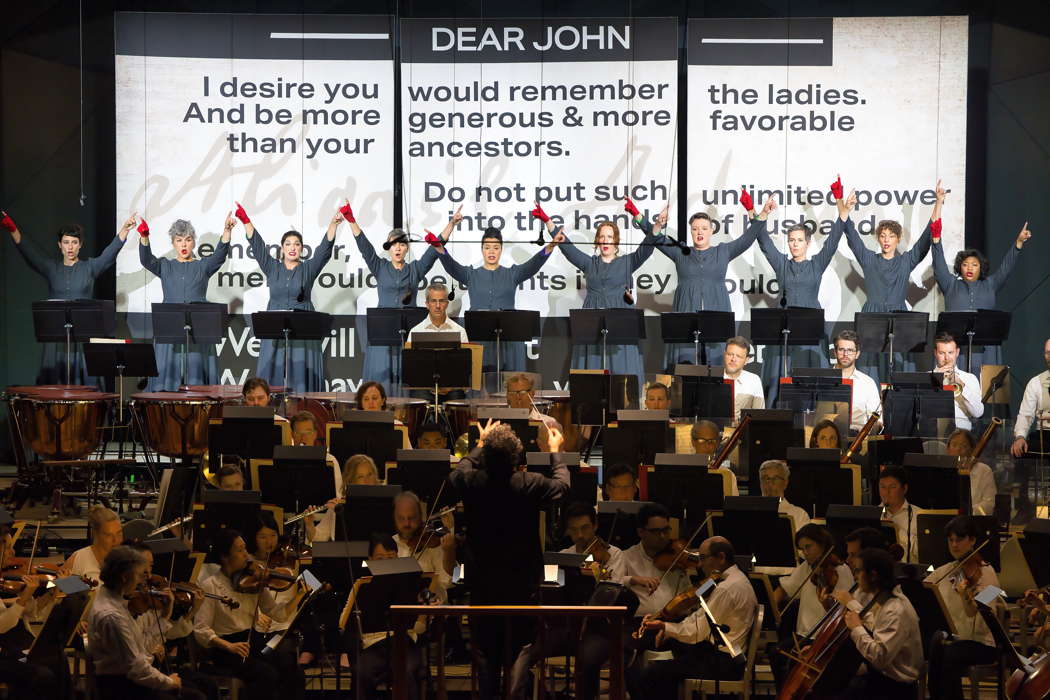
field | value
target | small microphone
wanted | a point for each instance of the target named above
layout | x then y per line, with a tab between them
302	294
539	241
628	296
451	291
406	299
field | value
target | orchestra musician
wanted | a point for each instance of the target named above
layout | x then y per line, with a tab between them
106	533
952	654
774	476
825	436
413	541
501	506
305	432
732	603
968	404
437	320
230	478
358	469
982	481
865	396
657	397
747	386
521	391
893	490
1032	414
620	482
431	437
23	679
856	542
72	278
706	436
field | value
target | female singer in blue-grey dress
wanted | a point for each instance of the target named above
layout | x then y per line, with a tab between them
492	287
68	278
701	276
397	282
800	279
609	277
886	274
184	280
971	286
290	280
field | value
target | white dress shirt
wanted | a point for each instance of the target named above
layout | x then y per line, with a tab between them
116	644
982	489
866	399
747	392
894	645
798	515
615	565
431	561
966	627
10	615
637	563
968	404
214	619
449	326
906	523
732	603
1035	406
810	609
85	564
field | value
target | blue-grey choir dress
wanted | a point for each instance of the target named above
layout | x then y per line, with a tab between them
606	282
184	283
290	290
886	287
76	281
960	295
800	286
383	363
494	290
702	284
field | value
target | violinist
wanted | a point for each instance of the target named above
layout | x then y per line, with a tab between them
106	533
893	490
266	549
435	554
620	482
958	581
810	585
732	603
888	637
653	586
228	633
123	663
773	477
24	679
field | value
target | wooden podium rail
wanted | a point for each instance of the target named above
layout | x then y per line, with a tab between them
405	615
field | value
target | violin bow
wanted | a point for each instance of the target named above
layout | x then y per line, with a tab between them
798	591
419	548
32	552
688	542
959	564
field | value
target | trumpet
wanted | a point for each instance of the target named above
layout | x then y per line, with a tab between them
952	377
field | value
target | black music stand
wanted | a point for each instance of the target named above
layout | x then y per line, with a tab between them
819	390
171	558
300	477
238	510
370	433
329	561
369	510
697	327
435	370
48	648
844	519
117	359
289	326
933	545
791	326
73	321
899	331
768	436
914	403
425	473
886	451
817	480
637	438
618	522
201	322
595	393
934	482
390	328
1034	546
702	391
754	525
603	326
501	327
980	327
242	432
583	487
686	487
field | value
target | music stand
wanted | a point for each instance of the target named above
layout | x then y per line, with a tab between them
117	359
687	489
914	402
288	326
696	327
434	370
594	393
768	436
933	545
790	326
298	478
70	321
703	391
369	510
935	482
898	331
200	322
500	327
638	437
369	433
242	432
603	326
1034	546
980	327
171	558
394	582
329	558
425	473
843	519
583	486
755	526
219	510
818	479
390	328
618	522
812	390
48	648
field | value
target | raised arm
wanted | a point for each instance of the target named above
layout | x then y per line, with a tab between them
108	256
367	250
453	222
257	245
831	245
941	272
576	257
853	240
427	260
525	270
146	256
776	259
999	277
921	247
738	246
455	269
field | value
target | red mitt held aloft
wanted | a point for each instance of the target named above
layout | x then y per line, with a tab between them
628	206
7	223
935	228
836	188
347	212
746	201
433	240
241	214
143	229
540	214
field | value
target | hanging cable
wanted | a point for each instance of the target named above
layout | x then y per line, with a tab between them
80	28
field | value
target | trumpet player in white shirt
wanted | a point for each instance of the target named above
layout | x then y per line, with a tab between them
968	404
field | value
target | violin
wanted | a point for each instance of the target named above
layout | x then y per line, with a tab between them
826	576
12	586
184	594
255	576
678	556
148	596
681	606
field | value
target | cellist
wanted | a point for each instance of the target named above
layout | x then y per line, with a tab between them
732	603
888	636
952	655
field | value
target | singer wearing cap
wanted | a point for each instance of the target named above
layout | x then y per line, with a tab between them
491	286
397	282
290	280
701	269
184	280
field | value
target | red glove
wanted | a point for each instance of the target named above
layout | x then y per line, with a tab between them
935	228
836	188
347	212
143	229
540	214
433	240
7	223
628	206
241	214
746	201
